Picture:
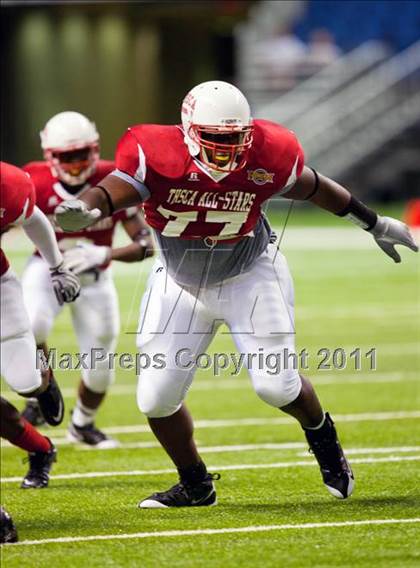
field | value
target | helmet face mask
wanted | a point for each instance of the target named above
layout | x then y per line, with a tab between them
217	125
222	149
73	167
71	147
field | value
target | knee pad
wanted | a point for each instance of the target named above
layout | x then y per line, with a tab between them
19	365
98	379
160	393
100	374
153	406
278	390
41	326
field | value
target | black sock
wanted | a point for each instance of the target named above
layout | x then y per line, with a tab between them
193	474
326	430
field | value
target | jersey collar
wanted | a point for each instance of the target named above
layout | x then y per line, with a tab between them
215	175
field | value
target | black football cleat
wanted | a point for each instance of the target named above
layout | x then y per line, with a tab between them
91	436
202	494
335	469
51	403
40	464
8	532
32	413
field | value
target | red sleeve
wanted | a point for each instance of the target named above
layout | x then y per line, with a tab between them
301	156
130	158
31	200
27	200
279	149
293	160
39	174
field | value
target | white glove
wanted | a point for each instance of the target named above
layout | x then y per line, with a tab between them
389	232
73	215
66	284
85	256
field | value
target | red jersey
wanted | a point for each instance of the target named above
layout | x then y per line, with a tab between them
186	202
17	200
50	193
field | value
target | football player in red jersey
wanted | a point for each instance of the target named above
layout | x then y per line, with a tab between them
70	142
202	184
18	350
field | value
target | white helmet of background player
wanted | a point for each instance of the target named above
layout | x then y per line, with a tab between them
217	124
71	147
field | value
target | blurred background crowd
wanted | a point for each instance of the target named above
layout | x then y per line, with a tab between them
343	74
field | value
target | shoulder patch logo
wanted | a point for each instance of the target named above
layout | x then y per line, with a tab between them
260	176
193	177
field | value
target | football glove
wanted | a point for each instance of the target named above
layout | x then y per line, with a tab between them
85	256
73	215
66	284
389	232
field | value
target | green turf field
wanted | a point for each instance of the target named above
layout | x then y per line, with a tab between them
273	509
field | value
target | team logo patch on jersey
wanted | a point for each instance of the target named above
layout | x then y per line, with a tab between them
260	176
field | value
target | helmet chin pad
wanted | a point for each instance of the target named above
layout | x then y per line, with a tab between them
73	166
222	148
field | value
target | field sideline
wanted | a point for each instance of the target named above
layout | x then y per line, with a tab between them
273	508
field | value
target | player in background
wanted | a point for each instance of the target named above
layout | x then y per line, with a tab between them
70	143
20	433
18	350
203	185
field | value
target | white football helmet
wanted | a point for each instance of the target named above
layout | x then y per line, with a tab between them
217	124
71	147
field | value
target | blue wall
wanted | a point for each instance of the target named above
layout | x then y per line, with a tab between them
355	21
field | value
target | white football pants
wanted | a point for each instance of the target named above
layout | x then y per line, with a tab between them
95	317
18	349
179	323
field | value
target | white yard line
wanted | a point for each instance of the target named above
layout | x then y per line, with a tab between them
227	448
230	530
296	238
258	447
71	392
254	447
234	467
326	238
236	422
320	237
382	349
60	439
382	450
319	378
232	422
360	311
234	383
366	377
208	449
